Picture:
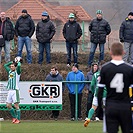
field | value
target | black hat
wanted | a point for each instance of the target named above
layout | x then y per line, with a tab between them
76	65
130	13
24	11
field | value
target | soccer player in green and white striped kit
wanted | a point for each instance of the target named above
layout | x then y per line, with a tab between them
14	70
94	89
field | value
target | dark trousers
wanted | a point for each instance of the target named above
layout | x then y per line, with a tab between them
89	102
72	104
118	114
55	113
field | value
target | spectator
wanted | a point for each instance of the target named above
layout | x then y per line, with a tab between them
54	75
72	32
75	75
126	36
45	31
24	30
6	34
99	29
90	94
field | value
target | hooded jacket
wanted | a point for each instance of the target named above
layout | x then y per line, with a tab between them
126	31
75	76
72	32
24	26
8	30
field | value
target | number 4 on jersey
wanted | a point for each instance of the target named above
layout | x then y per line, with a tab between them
117	82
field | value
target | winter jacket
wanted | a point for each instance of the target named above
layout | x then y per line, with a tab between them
7	30
57	77
72	32
24	26
45	30
126	31
75	76
99	29
89	78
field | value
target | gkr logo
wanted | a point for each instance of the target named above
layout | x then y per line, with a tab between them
44	91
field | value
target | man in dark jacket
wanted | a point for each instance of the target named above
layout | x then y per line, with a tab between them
25	28
6	32
54	76
72	32
45	31
126	36
99	29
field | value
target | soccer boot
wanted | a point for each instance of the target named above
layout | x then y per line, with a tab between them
86	122
17	121
13	120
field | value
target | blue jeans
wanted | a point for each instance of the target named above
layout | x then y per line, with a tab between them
27	41
69	46
7	51
45	46
92	52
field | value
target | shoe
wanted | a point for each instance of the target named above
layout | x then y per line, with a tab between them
1	119
13	120
17	121
86	122
55	119
72	119
68	65
97	119
80	119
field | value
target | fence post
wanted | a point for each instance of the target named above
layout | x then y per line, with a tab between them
76	102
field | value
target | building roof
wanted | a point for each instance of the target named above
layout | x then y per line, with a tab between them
36	7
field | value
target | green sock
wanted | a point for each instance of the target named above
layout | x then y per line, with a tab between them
12	112
18	112
91	113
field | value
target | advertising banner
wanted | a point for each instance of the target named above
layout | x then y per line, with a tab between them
35	95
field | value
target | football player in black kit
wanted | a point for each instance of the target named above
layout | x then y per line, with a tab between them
117	76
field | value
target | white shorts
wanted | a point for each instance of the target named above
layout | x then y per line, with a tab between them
95	101
13	96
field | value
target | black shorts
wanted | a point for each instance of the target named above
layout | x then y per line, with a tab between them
118	114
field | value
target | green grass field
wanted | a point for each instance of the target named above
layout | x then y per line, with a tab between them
50	126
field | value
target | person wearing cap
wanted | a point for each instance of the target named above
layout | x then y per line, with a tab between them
45	30
75	75
72	32
126	37
25	28
6	34
99	28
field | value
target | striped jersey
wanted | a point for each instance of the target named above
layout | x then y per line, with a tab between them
13	76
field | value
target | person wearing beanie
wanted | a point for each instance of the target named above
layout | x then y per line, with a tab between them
25	28
45	30
126	37
72	32
75	75
99	29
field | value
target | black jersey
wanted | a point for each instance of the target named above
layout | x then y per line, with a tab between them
117	76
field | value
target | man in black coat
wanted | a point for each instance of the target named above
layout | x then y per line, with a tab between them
25	28
126	36
6	34
45	31
99	29
72	32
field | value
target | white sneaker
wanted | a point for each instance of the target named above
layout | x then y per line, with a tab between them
68	65
1	119
97	119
